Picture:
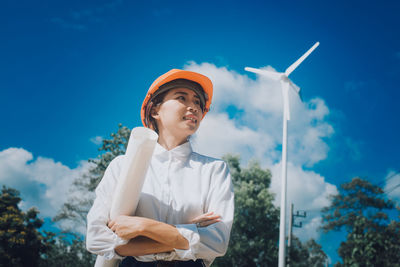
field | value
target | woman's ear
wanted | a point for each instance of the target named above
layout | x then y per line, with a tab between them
154	112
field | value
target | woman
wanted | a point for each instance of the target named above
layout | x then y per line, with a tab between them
185	211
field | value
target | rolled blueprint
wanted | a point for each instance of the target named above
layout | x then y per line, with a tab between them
127	193
137	159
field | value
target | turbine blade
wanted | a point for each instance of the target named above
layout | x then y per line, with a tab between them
298	62
301	96
296	89
285	94
270	74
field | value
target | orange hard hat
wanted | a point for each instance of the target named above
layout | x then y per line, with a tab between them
172	75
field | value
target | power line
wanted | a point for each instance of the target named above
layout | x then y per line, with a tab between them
392	189
390	177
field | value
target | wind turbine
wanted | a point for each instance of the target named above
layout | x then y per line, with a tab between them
286	83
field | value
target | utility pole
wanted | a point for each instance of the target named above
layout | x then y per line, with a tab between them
290	233
291	224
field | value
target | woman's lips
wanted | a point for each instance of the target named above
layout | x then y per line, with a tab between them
190	118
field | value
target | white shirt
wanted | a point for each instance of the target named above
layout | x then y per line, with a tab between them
179	186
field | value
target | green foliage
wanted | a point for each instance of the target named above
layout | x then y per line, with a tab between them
357	198
305	255
23	244
370	247
112	148
255	231
20	241
373	239
66	252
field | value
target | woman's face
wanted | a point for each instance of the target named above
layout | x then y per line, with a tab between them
180	113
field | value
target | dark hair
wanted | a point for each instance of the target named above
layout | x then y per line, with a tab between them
156	101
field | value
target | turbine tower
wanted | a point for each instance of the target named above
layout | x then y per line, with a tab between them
286	84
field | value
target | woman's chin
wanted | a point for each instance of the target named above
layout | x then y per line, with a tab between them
190	127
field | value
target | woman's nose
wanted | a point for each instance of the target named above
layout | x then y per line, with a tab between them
192	108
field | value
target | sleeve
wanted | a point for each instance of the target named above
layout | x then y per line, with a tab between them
100	239
212	241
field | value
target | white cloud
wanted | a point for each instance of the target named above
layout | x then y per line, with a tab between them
308	191
42	182
392	186
218	135
97	140
253	129
309	228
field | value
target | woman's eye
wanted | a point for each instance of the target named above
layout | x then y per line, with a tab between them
181	97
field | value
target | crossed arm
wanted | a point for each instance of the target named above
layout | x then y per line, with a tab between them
149	236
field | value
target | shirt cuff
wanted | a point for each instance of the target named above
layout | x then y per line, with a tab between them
111	255
188	231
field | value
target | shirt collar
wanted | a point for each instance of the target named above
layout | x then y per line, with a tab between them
180	152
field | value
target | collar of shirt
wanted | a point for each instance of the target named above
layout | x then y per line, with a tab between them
181	152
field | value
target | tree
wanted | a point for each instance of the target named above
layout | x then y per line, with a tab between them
20	241
305	255
255	232
316	256
66	251
361	208
24	244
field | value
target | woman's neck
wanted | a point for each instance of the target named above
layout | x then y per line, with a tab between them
169	141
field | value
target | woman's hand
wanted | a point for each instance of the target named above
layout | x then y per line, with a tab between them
126	227
206	219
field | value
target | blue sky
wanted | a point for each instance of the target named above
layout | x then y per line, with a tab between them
70	71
